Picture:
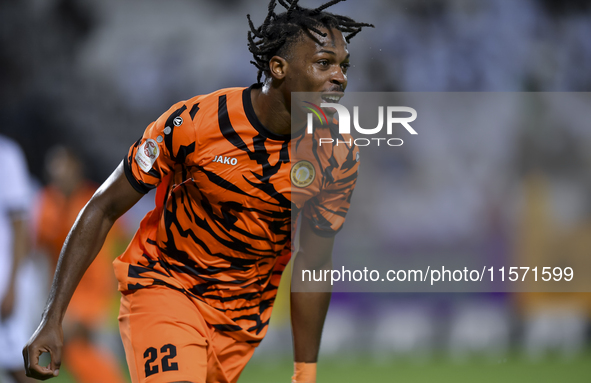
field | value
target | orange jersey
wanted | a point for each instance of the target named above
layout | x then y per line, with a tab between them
221	229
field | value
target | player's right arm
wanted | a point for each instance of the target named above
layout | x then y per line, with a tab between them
115	196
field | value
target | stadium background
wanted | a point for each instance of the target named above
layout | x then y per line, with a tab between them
93	74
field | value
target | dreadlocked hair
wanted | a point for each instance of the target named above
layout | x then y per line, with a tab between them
278	31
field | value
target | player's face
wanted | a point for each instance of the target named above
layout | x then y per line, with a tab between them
319	66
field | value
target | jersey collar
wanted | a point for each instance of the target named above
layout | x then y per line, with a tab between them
254	120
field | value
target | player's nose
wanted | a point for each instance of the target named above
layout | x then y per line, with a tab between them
339	78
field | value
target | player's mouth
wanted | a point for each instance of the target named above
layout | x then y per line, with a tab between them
333	97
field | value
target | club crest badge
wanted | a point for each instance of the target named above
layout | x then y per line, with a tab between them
302	174
178	121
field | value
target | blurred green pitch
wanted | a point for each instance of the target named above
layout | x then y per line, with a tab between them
515	369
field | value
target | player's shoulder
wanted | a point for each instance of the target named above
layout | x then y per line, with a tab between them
213	96
194	117
188	109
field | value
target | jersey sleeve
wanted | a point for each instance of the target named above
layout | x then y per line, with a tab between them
327	211
166	142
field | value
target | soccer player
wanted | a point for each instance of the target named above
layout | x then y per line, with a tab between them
199	278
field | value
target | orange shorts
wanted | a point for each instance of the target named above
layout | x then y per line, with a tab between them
166	339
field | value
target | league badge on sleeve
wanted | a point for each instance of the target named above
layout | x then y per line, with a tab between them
147	154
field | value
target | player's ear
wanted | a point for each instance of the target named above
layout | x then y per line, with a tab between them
278	67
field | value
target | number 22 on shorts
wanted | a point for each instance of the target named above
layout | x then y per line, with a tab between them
168	351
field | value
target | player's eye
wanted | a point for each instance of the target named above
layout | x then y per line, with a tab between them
323	62
345	67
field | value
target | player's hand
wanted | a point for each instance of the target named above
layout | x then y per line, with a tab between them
7	303
49	338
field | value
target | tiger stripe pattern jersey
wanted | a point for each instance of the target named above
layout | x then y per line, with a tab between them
221	228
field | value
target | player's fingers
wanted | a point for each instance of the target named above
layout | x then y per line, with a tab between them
56	361
26	358
32	367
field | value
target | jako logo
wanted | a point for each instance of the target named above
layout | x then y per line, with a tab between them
225	160
344	120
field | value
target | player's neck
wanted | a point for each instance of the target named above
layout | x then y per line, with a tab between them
270	107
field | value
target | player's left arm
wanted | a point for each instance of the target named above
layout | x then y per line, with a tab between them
308	308
322	217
